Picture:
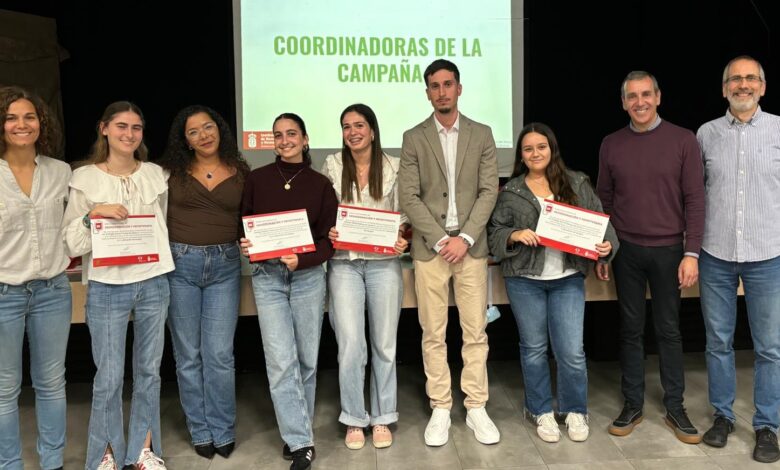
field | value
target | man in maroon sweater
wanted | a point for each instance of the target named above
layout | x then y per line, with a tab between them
651	184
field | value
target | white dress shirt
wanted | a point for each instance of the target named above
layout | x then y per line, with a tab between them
31	245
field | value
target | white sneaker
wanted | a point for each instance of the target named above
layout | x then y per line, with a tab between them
107	463
149	461
437	432
577	427
547	427
485	431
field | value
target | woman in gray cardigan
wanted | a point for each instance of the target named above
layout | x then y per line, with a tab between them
546	287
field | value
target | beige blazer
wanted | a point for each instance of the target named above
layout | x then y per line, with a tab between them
422	184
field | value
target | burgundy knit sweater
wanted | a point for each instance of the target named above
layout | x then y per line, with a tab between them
652	185
264	193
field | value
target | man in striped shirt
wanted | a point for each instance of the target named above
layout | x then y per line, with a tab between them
741	153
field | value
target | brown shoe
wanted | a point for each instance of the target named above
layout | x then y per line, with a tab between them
355	438
381	436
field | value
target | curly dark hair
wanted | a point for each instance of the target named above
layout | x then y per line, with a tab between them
48	142
178	155
556	169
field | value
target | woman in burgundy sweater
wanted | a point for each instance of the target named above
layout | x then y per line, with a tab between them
290	290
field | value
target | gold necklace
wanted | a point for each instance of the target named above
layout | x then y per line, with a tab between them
210	174
288	181
121	175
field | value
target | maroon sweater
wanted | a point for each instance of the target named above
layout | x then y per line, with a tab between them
264	193
652	185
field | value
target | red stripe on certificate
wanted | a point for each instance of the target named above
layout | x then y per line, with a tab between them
565	247
556	203
368	209
285	251
365	248
123	260
272	213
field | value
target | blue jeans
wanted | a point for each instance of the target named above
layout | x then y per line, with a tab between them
352	285
718	281
108	311
43	308
202	319
290	308
555	307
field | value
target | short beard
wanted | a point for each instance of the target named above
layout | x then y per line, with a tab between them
742	106
444	110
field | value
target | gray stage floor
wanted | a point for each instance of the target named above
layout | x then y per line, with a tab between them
651	446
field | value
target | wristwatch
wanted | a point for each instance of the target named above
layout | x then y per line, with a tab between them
86	220
466	240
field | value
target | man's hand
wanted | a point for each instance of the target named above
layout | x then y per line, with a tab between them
453	249
688	272
602	271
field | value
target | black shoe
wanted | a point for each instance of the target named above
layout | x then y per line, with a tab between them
682	426
205	450
302	458
766	449
625	423
286	452
226	449
718	434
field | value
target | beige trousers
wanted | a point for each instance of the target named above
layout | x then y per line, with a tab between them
470	285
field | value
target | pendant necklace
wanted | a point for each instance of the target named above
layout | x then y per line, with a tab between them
288	181
210	174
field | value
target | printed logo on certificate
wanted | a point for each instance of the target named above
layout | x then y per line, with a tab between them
122	242
367	230
278	234
571	229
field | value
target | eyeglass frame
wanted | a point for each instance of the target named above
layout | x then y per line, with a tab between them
737	79
210	128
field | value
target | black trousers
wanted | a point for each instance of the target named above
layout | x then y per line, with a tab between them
634	267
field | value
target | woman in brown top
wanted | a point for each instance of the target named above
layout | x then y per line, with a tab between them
205	187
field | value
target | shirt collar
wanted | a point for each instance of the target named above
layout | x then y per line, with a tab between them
37	160
655	124
732	120
455	126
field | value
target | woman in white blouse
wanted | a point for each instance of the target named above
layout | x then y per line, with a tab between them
119	183
363	175
34	290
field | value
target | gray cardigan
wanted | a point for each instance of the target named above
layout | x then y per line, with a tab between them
517	209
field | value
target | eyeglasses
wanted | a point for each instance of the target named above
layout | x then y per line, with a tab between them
737	79
209	128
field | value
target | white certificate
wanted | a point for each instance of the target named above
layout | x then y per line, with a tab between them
367	230
571	229
277	234
129	241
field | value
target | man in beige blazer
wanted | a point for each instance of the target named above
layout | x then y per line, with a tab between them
448	184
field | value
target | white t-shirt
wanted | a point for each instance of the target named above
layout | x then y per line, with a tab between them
553	259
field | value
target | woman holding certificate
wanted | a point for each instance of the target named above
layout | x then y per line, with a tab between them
120	193
289	287
545	286
364	176
34	290
207	176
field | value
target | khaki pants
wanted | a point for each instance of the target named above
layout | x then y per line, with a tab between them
432	279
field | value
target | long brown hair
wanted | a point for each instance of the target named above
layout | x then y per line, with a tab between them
49	138
556	169
349	177
99	152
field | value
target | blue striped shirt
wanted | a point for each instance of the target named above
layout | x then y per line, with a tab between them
742	183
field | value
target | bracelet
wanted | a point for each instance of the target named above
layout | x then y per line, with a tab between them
86	221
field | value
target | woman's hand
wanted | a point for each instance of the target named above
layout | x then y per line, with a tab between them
244	243
291	261
110	211
604	248
526	237
333	234
400	244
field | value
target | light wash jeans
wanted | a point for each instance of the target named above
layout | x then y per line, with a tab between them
202	319
718	282
43	308
353	285
108	311
555	307
290	308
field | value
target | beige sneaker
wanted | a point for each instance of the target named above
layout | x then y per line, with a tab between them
577	427
107	463
381	436
355	438
547	428
149	461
